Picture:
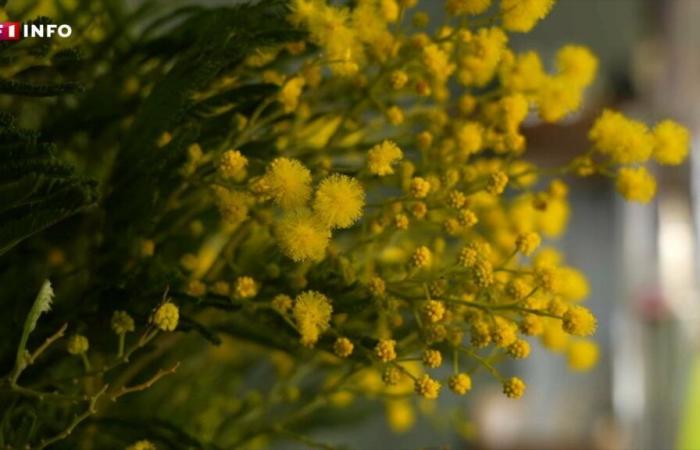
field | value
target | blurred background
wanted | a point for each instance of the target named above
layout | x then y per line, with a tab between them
641	260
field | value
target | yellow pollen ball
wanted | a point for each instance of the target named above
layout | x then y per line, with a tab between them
339	201
381	157
343	347
312	313
579	321
302	237
386	350
288	182
514	387
460	384
166	316
427	387
636	184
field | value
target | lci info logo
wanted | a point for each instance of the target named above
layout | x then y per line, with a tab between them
14	31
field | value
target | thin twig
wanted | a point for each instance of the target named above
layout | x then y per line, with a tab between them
145	385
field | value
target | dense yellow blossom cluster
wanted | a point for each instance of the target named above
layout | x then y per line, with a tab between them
395	219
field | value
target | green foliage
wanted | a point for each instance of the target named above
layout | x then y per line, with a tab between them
83	178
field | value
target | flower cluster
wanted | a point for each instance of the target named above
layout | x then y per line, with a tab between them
400	185
372	218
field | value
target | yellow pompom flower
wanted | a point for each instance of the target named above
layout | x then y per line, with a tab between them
525	74
232	164
473	7
398	79
522	15
246	287
142	445
519	349
422	257
579	321
394	115
432	358
574	285
290	93
671	143
514	109
312	313
390	10
166	316
343	347
497	183
582	355
483	273
636	184
514	387
392	376
467	218
427	387
195	288
623	140
282	303
122	322
547	277
233	205
339	201
460	384
434	311
382	156
483	52
553	337
419	187
527	243
517	289
386	350
532	325
470	138
503	332
577	64
437	62
288	182
557	97
401	221
424	140
302	237
78	344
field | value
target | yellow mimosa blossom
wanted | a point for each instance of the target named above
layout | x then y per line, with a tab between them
671	143
432	358
386	350
427	387
288	182
623	140
522	15
382	157
579	321
479	61
577	64
343	347
78	344
514	387
339	200
312	313
166	316
636	184
232	164
301	236
582	355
